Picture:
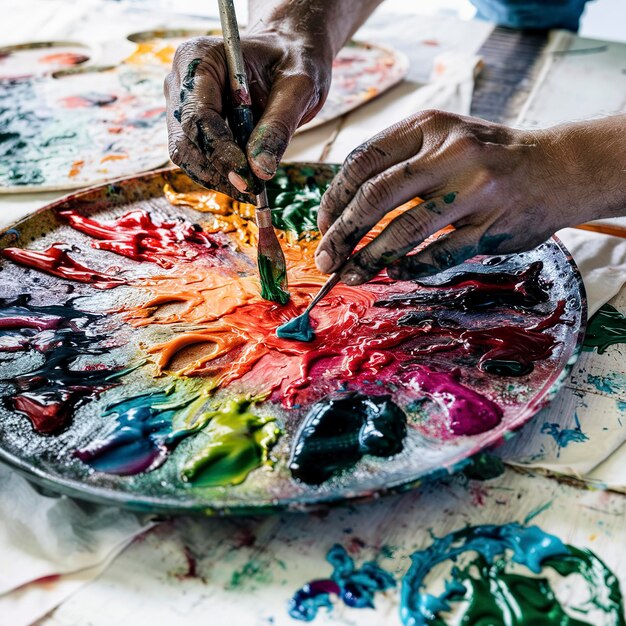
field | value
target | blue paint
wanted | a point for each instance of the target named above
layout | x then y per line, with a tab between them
538	511
565	436
143	436
297	329
355	587
530	547
612	383
621	405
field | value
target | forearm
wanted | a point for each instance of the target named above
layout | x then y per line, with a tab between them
323	23
593	153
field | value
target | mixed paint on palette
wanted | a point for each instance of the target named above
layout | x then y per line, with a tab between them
78	126
508	580
66	123
139	356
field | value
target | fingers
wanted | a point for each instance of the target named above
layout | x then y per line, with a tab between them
373	200
400	236
448	251
199	139
202	122
390	147
293	97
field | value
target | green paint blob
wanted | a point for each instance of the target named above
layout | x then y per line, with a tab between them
497	597
294	208
450	197
237	442
484	466
297	329
272	281
492	594
606	327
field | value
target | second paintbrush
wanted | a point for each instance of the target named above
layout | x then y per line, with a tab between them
271	259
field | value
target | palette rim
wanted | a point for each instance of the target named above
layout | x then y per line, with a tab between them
167	504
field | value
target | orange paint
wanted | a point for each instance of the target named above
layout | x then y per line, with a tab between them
113	157
76	168
220	306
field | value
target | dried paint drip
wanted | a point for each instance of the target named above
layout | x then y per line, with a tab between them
57	262
234	442
339	431
137	236
480	290
606	328
48	392
355	587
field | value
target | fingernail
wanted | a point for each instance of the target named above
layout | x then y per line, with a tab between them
267	162
237	182
351	278
323	261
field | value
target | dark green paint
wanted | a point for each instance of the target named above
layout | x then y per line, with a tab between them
484	466
606	328
294	208
450	197
272	281
191	74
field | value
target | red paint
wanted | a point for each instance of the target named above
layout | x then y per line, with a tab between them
137	236
479	290
502	343
88	100
56	261
49	412
64	58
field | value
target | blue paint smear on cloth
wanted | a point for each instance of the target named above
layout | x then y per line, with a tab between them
565	436
355	587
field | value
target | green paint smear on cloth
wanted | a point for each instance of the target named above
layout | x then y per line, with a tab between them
606	328
494	596
237	441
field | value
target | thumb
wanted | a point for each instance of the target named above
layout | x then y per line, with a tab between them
293	99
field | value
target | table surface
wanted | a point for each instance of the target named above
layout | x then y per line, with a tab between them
247	569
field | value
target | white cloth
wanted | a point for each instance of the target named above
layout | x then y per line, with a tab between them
43	536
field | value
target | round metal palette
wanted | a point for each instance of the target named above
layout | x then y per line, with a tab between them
83	357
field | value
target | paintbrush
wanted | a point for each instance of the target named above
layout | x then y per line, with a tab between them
271	260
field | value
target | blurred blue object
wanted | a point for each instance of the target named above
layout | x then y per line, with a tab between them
532	13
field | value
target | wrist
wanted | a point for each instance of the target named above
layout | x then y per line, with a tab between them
587	162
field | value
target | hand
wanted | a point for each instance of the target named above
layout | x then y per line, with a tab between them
289	79
503	190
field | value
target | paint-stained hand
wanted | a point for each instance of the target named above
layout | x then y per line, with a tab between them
289	81
503	190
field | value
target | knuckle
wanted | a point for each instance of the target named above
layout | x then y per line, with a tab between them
184	51
359	162
411	227
374	192
444	257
